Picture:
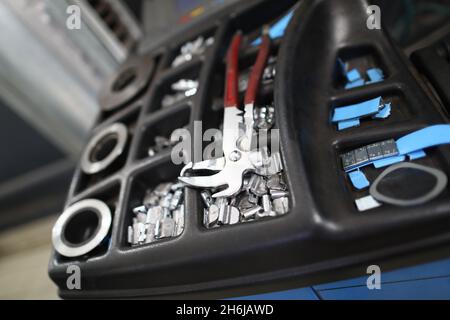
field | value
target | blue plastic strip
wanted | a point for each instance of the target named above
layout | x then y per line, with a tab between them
417	155
388	161
366	108
353	75
277	30
354	84
342	125
384	113
424	138
375	75
358	179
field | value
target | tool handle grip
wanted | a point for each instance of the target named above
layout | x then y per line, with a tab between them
231	98
257	70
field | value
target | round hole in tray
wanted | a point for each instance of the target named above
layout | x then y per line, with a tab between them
104	148
81	228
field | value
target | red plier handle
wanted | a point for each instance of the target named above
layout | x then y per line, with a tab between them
257	71
231	98
232	74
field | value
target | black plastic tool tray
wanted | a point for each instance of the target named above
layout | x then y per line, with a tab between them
323	230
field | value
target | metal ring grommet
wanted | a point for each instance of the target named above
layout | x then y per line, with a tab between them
91	161
441	183
130	80
81	228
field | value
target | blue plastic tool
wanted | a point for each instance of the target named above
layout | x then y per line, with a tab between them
353	75
425	138
342	125
358	179
356	111
375	75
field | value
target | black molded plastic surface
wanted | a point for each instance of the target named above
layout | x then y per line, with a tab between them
323	230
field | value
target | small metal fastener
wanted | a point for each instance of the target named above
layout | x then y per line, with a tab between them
244	203
212	215
275	194
253	198
130	235
250	213
135	233
89	164
154	214
206	197
269	73
167	213
101	225
258	185
178	216
191	49
264	117
177	186
167	228
267	204
162	189
142	232
222	204
184	85
166	200
158	229
233	215
150	233
281	205
275	182
176	199
274	166
141	217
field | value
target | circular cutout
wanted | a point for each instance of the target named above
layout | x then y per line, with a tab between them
104	148
130	80
81	228
408	184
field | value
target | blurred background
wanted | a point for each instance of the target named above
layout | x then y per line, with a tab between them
49	79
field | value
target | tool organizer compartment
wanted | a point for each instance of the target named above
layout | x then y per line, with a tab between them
323	230
361	58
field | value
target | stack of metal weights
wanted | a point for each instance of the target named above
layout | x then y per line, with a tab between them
260	197
161	215
264	193
191	50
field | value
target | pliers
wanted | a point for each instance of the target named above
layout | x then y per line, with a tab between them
238	128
